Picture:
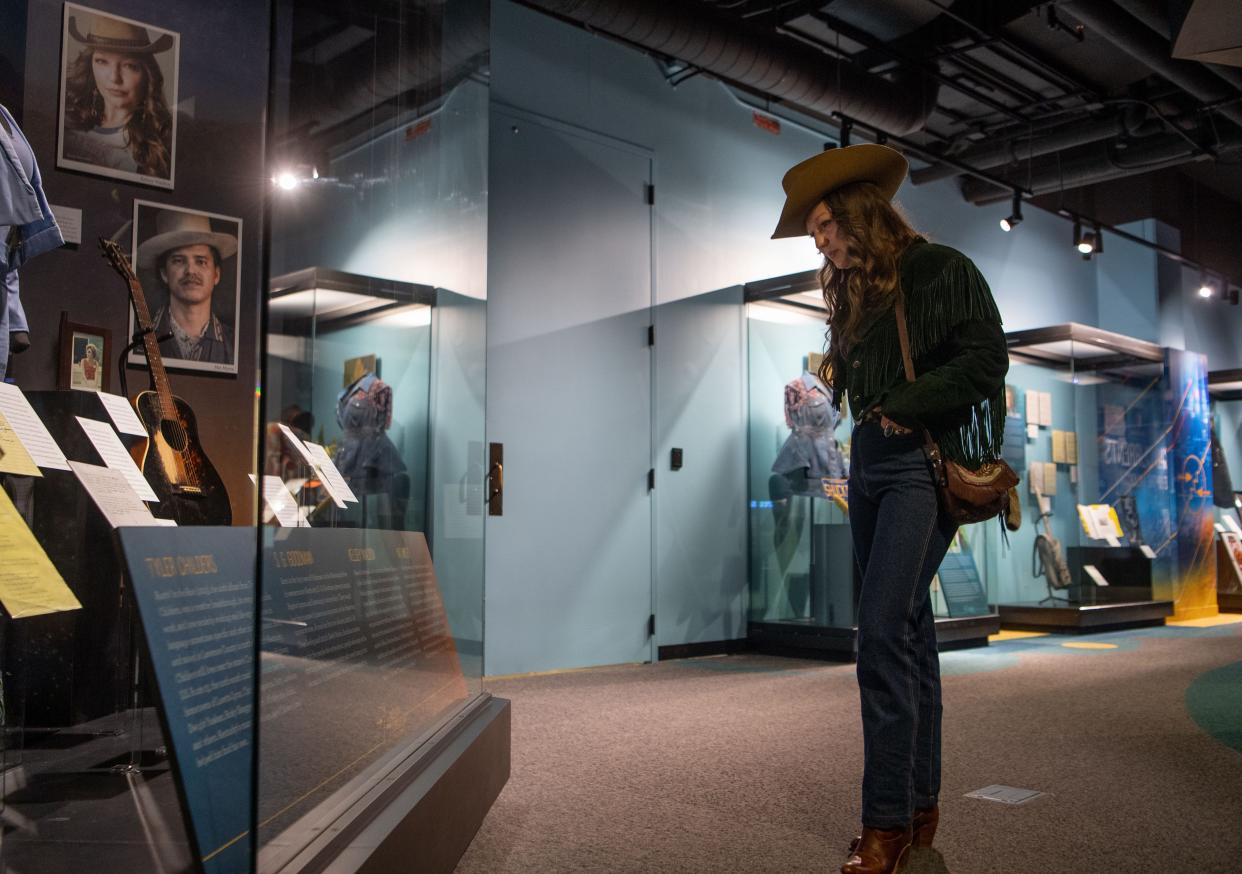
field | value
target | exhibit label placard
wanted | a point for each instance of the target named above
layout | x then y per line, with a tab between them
961	586
355	654
195	592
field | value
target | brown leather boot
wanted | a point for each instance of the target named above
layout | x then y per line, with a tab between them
878	851
925	822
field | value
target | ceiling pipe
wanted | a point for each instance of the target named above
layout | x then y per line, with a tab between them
787	69
1154	14
411	62
1136	39
1093	165
1013	150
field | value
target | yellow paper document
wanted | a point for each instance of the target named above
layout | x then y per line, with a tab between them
30	584
13	455
1059	454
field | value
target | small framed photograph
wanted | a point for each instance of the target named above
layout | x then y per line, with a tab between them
1233	547
189	265
85	353
118	97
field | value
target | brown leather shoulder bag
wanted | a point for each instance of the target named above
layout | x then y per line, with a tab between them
966	496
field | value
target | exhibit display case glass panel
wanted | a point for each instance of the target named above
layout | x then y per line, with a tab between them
1225	389
371	572
296	243
90	774
804	582
801	558
1110	435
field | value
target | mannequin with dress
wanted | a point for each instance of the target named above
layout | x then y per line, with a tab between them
367	457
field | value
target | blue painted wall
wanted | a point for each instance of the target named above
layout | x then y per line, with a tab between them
698	525
717	178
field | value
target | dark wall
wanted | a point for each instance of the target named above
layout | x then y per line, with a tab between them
219	168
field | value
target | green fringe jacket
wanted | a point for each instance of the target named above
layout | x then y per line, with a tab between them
960	358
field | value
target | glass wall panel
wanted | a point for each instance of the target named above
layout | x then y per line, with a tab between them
1114	484
801	556
373	459
146	121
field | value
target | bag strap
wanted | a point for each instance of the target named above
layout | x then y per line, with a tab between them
903	335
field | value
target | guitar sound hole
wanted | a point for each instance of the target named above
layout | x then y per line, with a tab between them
174	434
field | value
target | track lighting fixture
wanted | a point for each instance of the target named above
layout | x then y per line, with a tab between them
1015	216
1205	286
847	127
1087	242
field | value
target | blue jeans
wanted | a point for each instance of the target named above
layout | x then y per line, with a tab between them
900	537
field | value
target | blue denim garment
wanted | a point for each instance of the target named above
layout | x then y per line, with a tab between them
17	315
900	538
26	222
4	326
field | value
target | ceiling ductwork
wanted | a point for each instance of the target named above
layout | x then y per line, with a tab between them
1017	150
423	55
1138	40
1099	164
1153	14
767	62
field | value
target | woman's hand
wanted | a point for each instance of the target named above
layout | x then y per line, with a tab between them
890	427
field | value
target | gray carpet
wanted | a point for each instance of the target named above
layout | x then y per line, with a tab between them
751	764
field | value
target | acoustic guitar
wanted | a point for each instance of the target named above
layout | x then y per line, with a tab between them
173	461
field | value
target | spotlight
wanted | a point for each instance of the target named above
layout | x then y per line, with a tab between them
846	127
1205	287
1087	242
1015	217
285	180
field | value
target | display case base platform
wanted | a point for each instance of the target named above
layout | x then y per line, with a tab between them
1063	618
71	794
425	813
805	640
1229	602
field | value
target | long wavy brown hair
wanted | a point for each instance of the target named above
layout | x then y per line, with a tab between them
875	233
149	129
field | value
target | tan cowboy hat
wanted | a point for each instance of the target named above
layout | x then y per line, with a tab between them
175	229
118	36
806	183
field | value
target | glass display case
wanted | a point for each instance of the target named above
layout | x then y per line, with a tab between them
804	583
1114	483
1225	389
242	612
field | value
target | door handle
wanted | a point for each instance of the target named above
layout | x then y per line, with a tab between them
496	479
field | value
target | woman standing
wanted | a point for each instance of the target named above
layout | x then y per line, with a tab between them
841	199
116	115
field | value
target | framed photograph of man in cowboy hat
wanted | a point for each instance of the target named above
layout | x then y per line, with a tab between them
189	263
118	97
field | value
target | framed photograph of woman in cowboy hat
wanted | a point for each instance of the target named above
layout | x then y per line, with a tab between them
189	264
118	97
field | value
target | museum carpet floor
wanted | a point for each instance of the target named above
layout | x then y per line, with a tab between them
751	763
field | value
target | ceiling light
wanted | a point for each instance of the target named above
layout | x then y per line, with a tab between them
1015	216
1205	287
1087	242
285	180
